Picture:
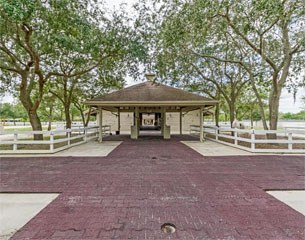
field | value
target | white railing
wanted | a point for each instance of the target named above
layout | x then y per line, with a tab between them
287	141
53	141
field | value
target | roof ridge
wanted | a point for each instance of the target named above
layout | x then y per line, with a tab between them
151	91
120	90
181	90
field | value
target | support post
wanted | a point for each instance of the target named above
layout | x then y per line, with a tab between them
15	141
137	121
85	132
166	129
252	140
100	135
235	136
290	141
163	121
201	123
51	141
164	115
134	133
119	121
69	136
180	121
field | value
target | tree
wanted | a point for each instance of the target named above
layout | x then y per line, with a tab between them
180	57
273	32
12	111
102	82
36	36
47	109
265	38
247	106
121	53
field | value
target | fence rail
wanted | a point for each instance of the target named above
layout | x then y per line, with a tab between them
287	141
53	141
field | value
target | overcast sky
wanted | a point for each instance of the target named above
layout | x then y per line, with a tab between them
287	103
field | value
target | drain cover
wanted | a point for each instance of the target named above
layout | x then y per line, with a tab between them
168	228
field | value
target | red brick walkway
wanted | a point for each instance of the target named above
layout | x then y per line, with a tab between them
143	184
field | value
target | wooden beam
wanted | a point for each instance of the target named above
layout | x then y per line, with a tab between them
190	108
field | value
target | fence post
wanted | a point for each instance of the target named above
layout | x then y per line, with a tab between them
235	136
51	141
85	135
253	140
289	140
69	136
15	141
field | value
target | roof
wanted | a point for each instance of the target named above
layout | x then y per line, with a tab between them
150	93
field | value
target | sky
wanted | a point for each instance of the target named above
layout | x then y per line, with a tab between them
287	103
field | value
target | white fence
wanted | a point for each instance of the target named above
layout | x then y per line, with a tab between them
53	141
288	141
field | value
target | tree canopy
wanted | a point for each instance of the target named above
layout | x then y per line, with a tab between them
242	53
42	42
263	41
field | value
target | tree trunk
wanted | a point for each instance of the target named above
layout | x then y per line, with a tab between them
35	123
50	118
232	113
217	115
88	117
83	118
217	109
259	101
61	115
274	100
68	117
32	113
251	118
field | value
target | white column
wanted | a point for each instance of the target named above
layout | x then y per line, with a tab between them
137	121
201	123
119	120
164	122
100	136
181	121
162	119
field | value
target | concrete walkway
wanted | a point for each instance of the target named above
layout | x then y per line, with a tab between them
143	184
211	148
91	149
17	209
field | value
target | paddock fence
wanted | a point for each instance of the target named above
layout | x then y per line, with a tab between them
256	141
22	142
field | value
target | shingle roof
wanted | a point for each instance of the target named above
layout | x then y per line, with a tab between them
150	92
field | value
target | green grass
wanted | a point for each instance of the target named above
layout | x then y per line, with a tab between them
25	129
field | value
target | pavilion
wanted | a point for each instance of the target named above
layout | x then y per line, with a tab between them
151	97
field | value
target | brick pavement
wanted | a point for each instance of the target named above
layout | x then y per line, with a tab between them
143	184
